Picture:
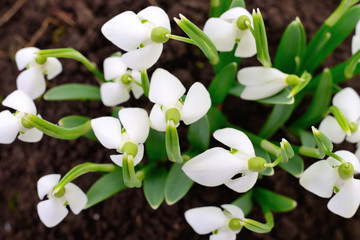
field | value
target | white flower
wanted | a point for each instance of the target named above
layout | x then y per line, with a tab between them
355	44
11	124
117	92
135	130
166	90
323	176
205	220
348	102
261	82
53	210
32	80
132	33
218	166
224	32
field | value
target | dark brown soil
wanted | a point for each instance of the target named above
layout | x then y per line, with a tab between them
76	24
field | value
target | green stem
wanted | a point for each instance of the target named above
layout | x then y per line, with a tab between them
275	163
310	152
145	82
340	159
172	143
134	180
248	24
270	147
80	170
181	39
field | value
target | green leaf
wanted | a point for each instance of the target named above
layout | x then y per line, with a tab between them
275	202
280	98
105	187
225	58
261	39
245	202
145	82
291	47
199	134
237	3
306	138
177	184
73	91
350	69
154	186
155	146
218	7
216	119
172	143
222	83
74	121
295	166
259	227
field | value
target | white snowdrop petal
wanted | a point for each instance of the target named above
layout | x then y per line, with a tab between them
205	220
355	44
165	88
31	135
234	210
125	31
25	56
236	139
114	67
319	178
51	212
53	67
46	184
156	16
349	157
9	127
108	131
235	13
157	119
113	93
357	28
213	167
20	101
196	105
243	183
221	33
228	235
331	129
355	136
32	82
261	91
140	154
75	197
143	58
117	159
346	202
136	90
259	75
136	123
348	102
247	45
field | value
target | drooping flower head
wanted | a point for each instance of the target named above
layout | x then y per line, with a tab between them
123	81
218	166
53	210
355	44
11	124
141	35
166	91
229	29
129	138
326	176
223	224
348	103
32	80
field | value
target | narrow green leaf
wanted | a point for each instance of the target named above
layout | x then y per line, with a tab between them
172	143
274	201
225	58
145	82
177	184
218	7
199	134
74	121
291	47
350	69
261	39
216	119
245	202
295	166
306	138
155	146
154	186
222	83
237	3
106	186
73	91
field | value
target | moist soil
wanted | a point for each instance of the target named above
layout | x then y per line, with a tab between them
77	24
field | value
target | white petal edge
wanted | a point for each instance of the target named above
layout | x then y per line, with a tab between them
235	13
226	235
32	82
118	158
46	184
247	45
234	210
51	212
157	119
108	131
9	127
196	105
76	198
156	16
25	56
355	44
221	33
243	183
331	129
135	88
143	58
136	123
31	135
114	67
113	93
236	139
20	101
259	75
348	102
205	220
53	67
261	91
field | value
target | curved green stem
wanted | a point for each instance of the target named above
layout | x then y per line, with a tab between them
181	39
340	159
310	152
275	163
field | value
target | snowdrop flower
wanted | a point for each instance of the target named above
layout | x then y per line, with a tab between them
32	80
218	166
229	29
355	44
325	176
142	35
11	124
128	139
263	82
224	225
348	102
53	210
117	92
165	91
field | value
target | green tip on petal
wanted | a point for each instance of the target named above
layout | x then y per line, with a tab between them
256	164
159	34
346	171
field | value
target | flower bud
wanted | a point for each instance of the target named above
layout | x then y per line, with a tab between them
256	164
346	171
158	34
